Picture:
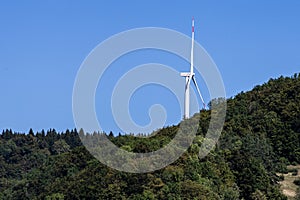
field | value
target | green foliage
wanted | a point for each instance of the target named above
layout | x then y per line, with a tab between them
55	196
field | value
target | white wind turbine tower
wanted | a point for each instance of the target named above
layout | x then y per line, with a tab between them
188	77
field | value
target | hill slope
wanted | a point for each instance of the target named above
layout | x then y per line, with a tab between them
260	137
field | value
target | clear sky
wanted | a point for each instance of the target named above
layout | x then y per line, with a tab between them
43	44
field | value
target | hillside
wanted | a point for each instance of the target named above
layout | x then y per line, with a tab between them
261	137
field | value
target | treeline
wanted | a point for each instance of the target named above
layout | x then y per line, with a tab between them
261	137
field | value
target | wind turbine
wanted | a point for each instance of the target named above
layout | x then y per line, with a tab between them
188	77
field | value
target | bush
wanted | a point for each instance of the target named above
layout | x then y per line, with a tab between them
295	173
297	182
281	177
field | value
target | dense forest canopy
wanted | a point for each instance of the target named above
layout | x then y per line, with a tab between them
261	136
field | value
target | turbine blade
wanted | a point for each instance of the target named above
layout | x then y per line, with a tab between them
188	83
192	48
194	80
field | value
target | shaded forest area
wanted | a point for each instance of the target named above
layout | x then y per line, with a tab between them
261	136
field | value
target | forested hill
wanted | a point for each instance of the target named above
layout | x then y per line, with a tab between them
261	136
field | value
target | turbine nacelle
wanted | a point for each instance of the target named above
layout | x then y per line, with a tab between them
185	74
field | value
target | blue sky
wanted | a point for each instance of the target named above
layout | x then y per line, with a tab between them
43	44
